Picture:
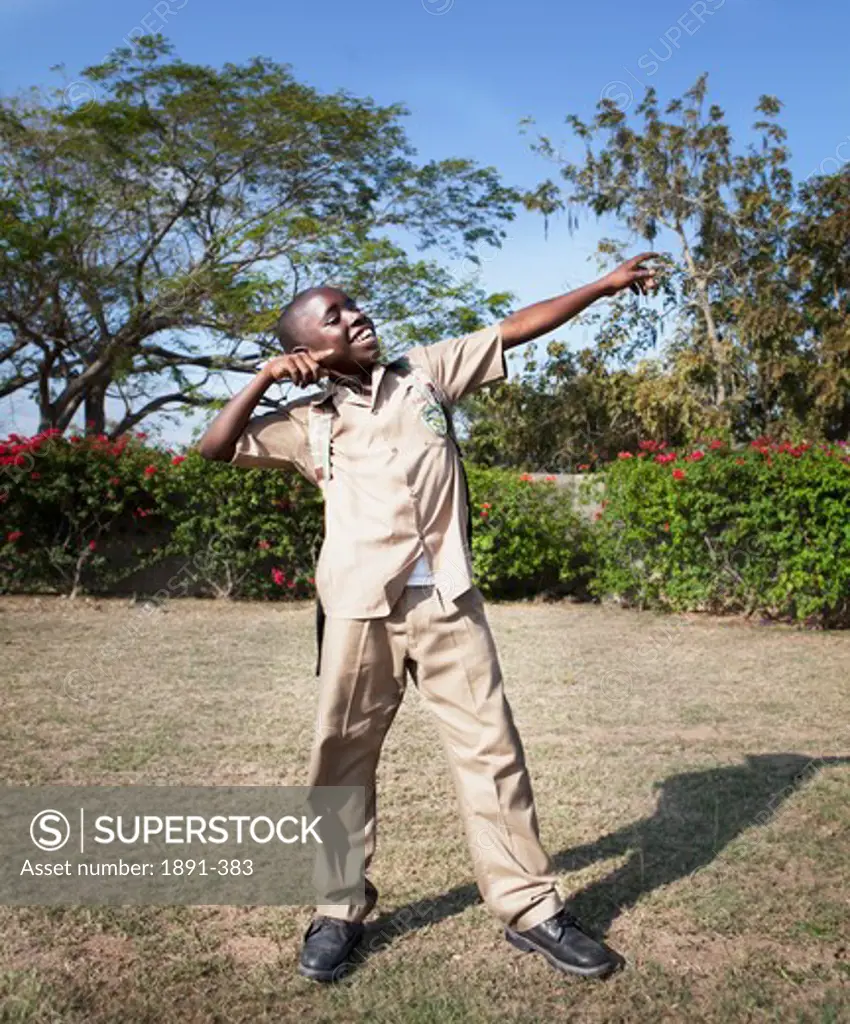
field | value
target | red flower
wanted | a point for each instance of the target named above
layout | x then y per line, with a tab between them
291	584
92	545
74	438
4	496
715	444
484	513
141	435
666	527
526	478
263	545
486	504
624	455
178	459
311	579
664	459
695	456
550	479
14	535
115	480
584	466
150	470
678	474
35	476
279	577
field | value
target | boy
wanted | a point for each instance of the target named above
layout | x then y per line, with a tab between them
395	579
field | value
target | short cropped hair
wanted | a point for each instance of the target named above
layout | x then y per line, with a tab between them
287	324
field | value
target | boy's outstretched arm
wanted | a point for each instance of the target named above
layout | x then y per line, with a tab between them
532	321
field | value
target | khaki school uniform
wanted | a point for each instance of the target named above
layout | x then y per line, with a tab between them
396	493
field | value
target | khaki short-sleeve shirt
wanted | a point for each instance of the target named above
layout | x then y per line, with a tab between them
396	486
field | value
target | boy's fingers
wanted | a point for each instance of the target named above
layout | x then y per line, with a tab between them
635	260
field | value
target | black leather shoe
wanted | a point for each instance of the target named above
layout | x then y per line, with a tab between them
561	940
329	943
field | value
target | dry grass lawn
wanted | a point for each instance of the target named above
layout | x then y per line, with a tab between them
679	782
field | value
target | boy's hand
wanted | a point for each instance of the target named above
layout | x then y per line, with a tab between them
299	367
631	275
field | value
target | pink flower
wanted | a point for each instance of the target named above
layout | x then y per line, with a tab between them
678	474
35	476
92	545
115	480
526	478
715	444
624	455
311	579
291	584
550	479
263	545
278	576
14	535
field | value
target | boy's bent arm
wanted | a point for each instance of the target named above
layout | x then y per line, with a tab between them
219	441
541	317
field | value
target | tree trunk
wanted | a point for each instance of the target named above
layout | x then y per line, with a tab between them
95	408
710	326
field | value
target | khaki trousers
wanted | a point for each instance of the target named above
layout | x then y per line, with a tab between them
451	657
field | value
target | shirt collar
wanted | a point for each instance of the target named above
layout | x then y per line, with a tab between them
329	390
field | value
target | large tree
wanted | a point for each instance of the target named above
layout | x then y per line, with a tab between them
148	237
754	308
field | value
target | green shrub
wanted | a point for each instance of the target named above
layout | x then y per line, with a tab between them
84	513
766	529
526	539
69	507
244	533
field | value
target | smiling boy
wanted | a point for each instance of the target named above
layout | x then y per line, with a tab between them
395	579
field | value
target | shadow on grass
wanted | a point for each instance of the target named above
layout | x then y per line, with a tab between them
697	815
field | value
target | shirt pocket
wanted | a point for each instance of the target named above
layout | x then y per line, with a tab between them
425	421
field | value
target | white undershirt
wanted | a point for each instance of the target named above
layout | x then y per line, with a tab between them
421	575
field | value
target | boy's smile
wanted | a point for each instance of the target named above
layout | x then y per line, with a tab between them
336	333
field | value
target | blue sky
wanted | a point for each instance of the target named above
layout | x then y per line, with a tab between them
468	71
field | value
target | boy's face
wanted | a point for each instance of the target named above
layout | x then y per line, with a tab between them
336	333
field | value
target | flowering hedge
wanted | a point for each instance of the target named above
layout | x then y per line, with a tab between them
84	514
765	529
526	538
